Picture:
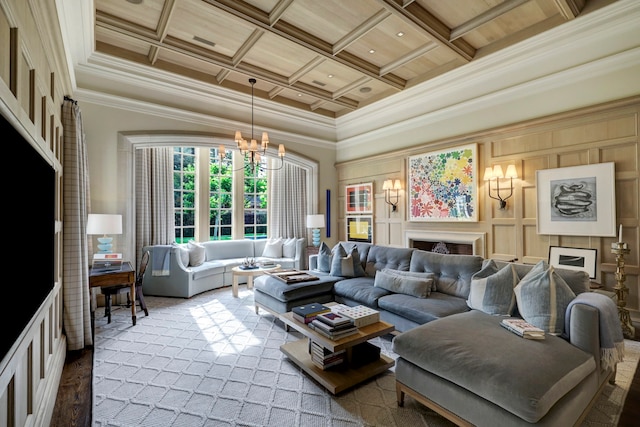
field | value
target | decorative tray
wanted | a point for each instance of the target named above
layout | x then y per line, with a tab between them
249	267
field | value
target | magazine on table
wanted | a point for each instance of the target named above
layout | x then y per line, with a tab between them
523	328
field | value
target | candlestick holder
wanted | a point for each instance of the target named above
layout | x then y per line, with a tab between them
620	249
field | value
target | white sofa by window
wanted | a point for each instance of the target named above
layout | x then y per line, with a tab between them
174	273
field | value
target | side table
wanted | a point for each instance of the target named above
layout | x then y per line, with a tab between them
250	273
125	276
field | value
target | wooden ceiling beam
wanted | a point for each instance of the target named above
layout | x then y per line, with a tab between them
484	18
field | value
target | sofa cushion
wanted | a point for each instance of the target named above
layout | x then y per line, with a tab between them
196	253
381	257
452	272
578	281
360	290
419	287
273	248
527	378
291	292
492	289
289	247
346	264
324	258
423	310
182	251
542	297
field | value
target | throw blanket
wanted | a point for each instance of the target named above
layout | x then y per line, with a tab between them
161	260
611	338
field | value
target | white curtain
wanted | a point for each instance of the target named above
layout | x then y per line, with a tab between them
155	223
287	203
75	286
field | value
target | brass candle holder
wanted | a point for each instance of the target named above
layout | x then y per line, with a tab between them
620	249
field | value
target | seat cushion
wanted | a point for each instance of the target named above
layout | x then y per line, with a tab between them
281	291
471	350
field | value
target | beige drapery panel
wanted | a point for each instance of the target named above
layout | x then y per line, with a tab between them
287	204
154	197
75	265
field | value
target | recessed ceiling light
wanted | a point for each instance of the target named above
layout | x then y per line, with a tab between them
372	51
399	34
365	89
330	76
135	1
300	94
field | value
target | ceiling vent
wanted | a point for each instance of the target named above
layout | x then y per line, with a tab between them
318	83
205	41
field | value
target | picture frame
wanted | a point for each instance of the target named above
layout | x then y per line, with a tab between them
359	198
578	259
577	200
360	228
443	185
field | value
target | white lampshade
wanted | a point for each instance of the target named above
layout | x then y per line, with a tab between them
104	224
511	172
315	221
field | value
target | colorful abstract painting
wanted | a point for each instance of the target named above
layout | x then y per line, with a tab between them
442	185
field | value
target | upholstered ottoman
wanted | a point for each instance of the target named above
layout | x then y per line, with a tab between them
275	296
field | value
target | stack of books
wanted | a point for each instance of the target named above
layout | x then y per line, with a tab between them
308	312
333	325
324	358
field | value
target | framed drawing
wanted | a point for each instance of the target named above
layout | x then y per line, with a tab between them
360	228
359	198
442	185
577	200
574	259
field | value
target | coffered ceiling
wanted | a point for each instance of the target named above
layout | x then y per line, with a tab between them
328	57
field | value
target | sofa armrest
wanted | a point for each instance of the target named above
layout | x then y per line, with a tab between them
313	262
300	257
584	329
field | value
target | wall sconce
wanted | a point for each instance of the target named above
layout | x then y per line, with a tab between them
496	174
388	186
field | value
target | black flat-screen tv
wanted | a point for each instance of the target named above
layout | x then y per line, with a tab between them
30	187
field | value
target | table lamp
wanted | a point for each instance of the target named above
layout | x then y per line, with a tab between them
316	222
104	224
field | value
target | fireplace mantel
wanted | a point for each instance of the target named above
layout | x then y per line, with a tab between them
476	240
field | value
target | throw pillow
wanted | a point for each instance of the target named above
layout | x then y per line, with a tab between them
492	289
542	297
419	287
182	251
415	274
196	253
273	248
346	265
289	248
324	258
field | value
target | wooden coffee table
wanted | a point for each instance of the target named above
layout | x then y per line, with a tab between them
343	377
250	273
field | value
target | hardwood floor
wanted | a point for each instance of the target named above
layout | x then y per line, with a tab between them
74	401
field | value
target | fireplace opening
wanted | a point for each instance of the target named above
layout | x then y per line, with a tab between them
444	247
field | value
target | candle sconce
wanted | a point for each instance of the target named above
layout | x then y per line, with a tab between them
620	249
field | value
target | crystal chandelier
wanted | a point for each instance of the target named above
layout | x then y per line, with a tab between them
251	152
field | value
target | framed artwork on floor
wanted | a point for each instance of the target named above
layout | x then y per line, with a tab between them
442	185
360	228
574	259
359	198
577	200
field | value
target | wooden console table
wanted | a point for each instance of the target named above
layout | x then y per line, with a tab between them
125	276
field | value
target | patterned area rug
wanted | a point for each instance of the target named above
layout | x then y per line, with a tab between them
211	361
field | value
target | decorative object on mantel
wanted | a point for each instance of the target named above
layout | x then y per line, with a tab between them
577	200
105	224
441	248
389	186
442	185
620	249
495	173
251	152
315	222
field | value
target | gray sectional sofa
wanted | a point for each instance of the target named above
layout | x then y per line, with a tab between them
189	269
456	359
